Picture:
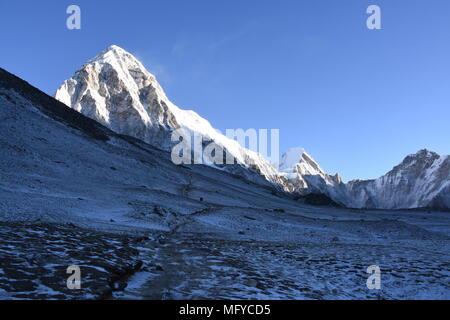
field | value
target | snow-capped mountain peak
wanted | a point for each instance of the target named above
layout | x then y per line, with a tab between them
307	176
116	55
290	158
115	89
420	180
297	160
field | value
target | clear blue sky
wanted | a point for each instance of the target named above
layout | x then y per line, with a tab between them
357	100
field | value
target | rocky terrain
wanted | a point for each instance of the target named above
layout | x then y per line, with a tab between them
115	89
195	268
73	192
35	257
421	180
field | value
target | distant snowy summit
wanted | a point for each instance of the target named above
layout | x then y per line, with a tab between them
297	165
116	90
421	180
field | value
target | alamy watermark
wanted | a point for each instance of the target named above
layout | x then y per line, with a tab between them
374	280
73	22
374	20
195	148
74	280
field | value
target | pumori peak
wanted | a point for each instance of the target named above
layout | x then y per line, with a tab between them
115	89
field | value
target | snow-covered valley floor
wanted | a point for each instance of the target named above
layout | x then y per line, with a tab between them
250	264
35	257
74	193
192	268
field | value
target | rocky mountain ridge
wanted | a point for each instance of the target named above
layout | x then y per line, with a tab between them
116	90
